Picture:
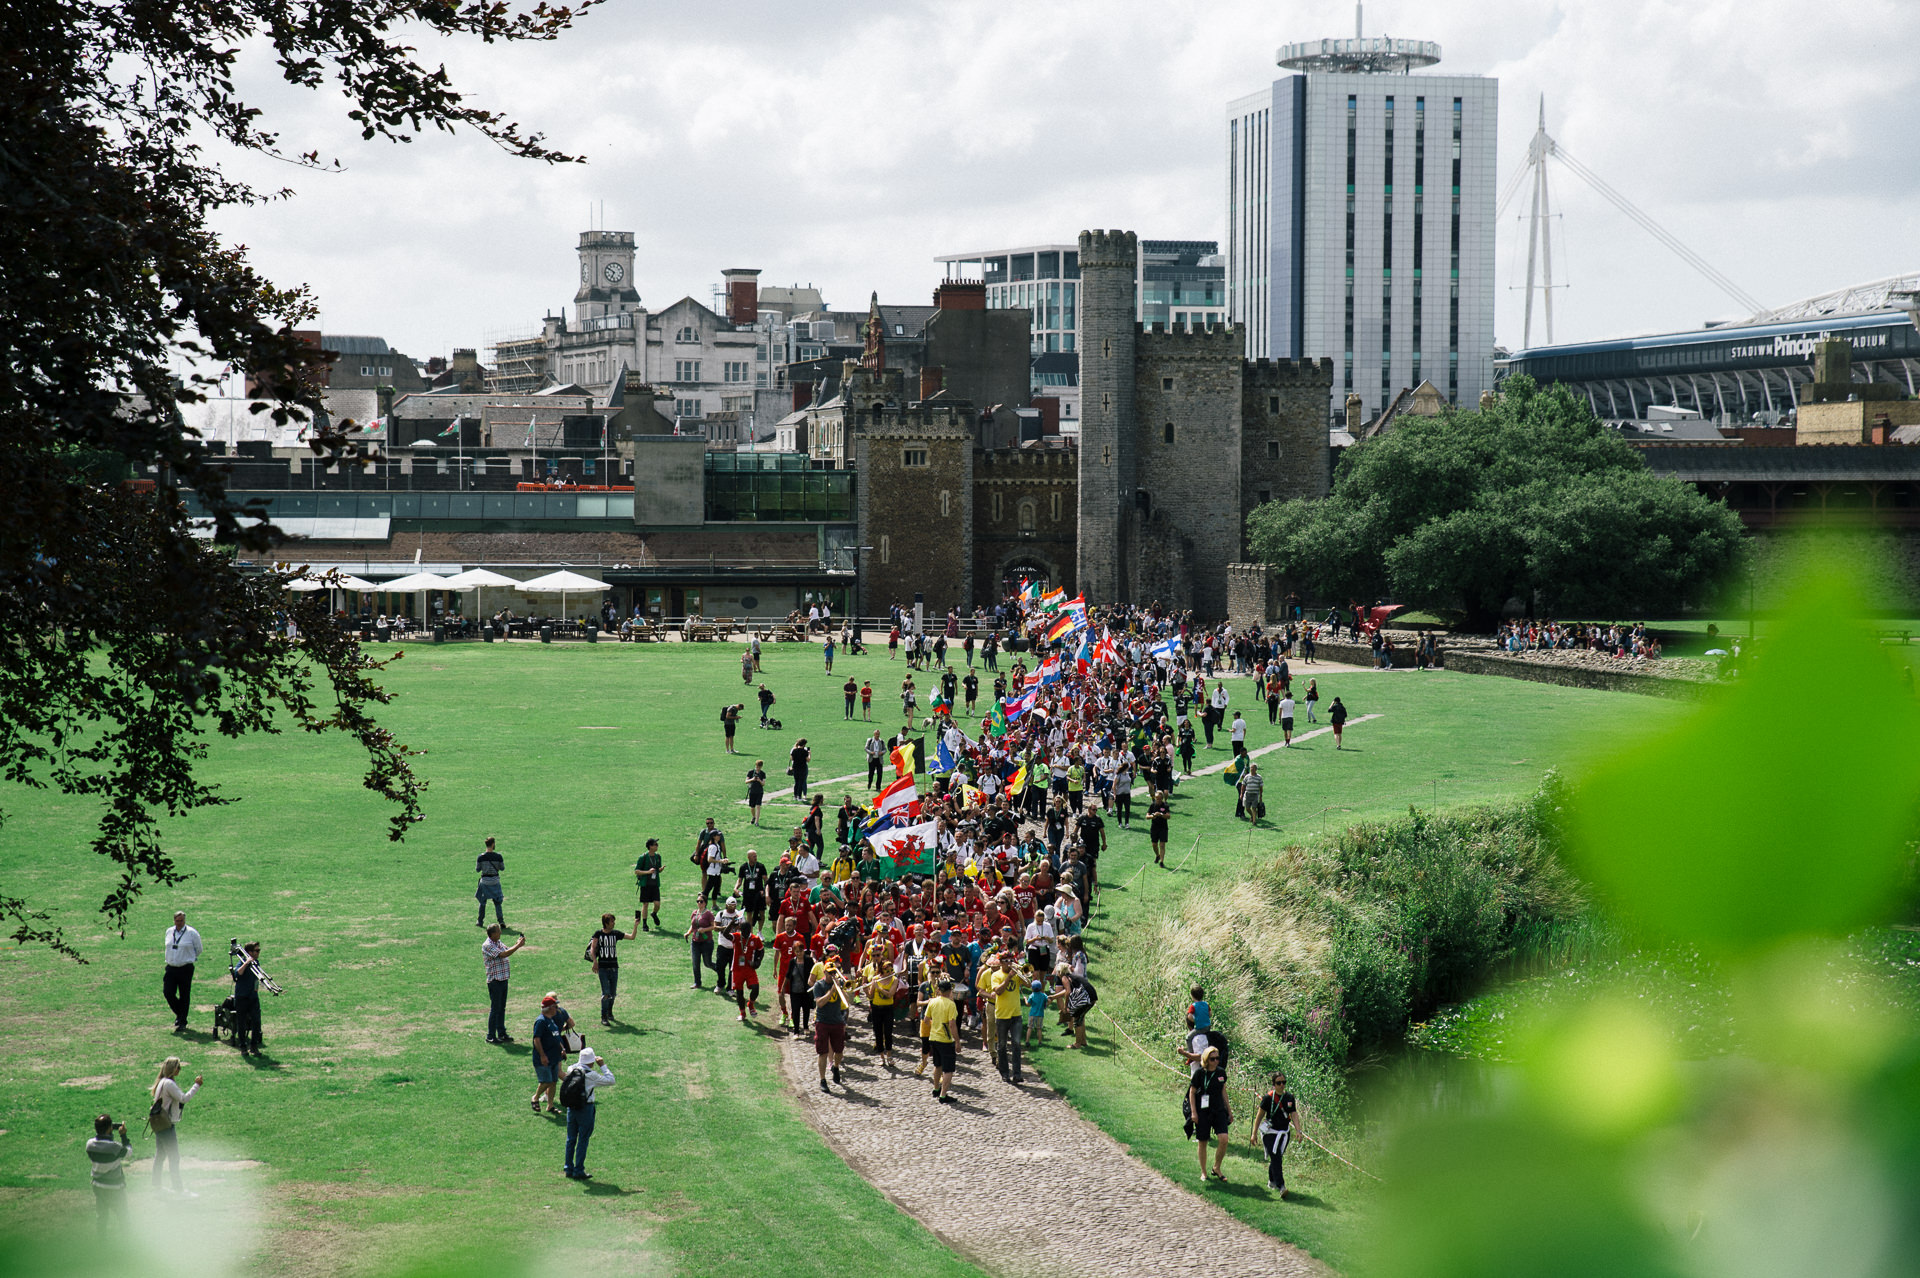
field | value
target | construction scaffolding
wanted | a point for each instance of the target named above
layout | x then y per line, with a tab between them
519	365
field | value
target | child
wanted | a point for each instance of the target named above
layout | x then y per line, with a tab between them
1036	1013
1199	1015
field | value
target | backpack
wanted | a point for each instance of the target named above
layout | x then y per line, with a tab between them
158	1119
573	1090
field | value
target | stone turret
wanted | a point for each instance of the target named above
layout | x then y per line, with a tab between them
1108	266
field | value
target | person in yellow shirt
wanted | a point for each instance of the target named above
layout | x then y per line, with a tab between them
843	867
880	980
943	1022
1005	983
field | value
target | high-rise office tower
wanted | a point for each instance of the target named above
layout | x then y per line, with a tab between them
1360	219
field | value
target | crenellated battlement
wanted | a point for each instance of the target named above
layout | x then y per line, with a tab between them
1109	248
1288	372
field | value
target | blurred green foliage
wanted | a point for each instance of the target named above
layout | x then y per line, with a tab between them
1760	834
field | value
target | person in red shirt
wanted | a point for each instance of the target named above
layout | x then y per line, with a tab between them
747	951
786	942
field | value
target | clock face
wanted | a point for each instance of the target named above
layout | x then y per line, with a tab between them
614	272
586	270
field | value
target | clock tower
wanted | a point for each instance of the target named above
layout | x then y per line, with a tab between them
606	275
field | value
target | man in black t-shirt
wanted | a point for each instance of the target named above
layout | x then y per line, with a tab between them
972	685
603	952
753	889
646	872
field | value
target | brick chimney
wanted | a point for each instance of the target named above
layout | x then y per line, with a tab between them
743	294
933	379
960	295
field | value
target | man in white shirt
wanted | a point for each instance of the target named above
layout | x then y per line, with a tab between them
809	865
183	949
595	1075
1238	735
1286	718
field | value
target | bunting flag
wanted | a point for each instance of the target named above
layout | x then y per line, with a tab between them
899	800
903	759
909	847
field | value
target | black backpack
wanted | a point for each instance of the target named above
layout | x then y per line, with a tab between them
573	1090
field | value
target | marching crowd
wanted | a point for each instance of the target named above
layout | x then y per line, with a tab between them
1616	640
947	913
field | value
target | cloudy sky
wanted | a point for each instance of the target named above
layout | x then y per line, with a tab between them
845	145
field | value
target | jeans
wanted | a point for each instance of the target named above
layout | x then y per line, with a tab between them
177	988
609	986
579	1132
849	713
1008	1030
166	1147
485	894
702	957
496	1010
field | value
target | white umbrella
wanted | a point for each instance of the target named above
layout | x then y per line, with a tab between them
562	583
350	582
418	583
474	578
306	585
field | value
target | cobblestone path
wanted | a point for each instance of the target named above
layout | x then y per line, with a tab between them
1014	1179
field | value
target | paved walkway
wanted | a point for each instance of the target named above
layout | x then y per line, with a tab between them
1018	1182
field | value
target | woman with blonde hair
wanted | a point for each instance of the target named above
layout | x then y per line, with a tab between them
169	1102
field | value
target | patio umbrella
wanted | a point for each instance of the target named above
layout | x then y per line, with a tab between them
474	578
562	583
418	583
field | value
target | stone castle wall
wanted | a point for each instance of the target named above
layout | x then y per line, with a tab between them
918	518
1015	494
1187	406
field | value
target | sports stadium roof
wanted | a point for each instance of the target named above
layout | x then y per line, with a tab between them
1891	294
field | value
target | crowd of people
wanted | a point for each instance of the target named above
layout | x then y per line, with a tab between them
947	911
1616	640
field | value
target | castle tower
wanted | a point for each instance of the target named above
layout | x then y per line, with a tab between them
1109	262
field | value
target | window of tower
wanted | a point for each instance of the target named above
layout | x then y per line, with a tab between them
1167	432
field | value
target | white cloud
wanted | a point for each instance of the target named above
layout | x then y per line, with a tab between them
845	145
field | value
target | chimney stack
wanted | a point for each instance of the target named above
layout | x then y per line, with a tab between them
743	295
960	295
932	379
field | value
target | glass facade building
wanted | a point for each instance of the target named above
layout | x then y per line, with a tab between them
1179	283
1360	229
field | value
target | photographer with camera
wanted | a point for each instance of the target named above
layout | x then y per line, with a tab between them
587	1076
248	978
107	1152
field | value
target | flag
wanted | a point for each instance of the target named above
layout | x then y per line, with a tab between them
997	720
940	704
1232	775
1106	649
1063	625
899	800
453	427
1030	592
1017	782
910	848
1025	585
1021	705
903	759
1169	650
1049	672
1083	659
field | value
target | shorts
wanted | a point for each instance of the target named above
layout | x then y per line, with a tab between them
650	891
545	1074
1287	724
829	1038
756	902
944	1058
1206	1127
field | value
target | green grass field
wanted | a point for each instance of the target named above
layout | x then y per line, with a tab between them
383	1129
